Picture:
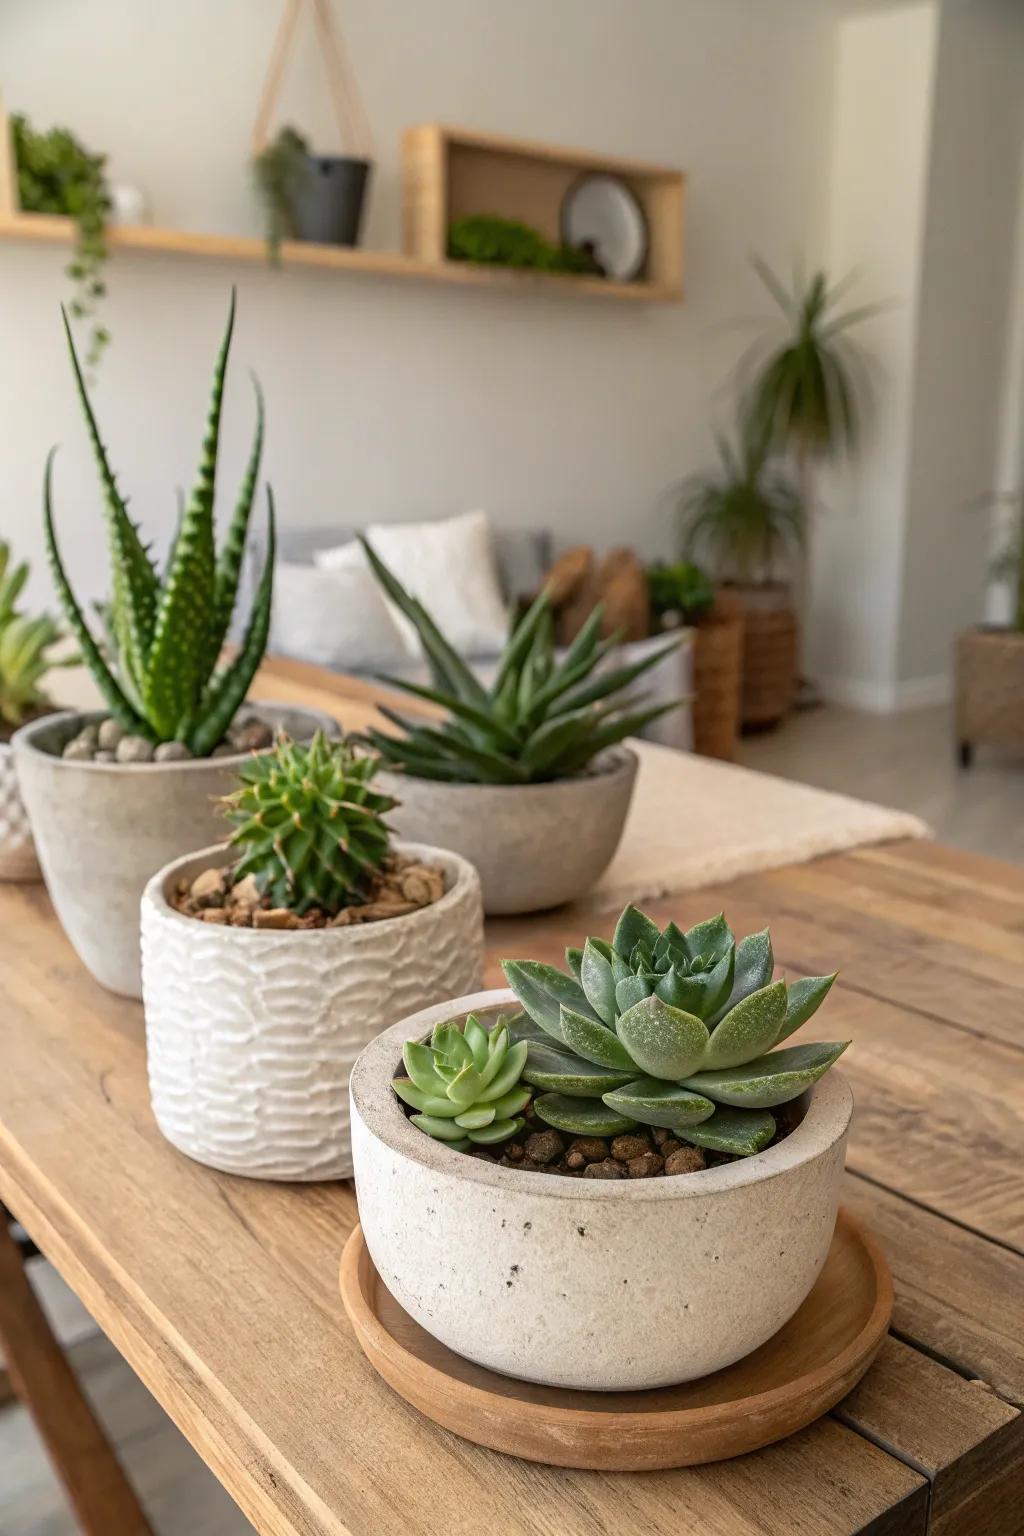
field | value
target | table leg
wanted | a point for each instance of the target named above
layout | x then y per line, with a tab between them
100	1494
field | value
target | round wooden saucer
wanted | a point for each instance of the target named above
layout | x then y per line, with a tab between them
801	1372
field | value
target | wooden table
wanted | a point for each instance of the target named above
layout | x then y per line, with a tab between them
222	1293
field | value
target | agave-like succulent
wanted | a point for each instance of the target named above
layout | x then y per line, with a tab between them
309	824
25	646
465	1085
667	1028
540	719
169	629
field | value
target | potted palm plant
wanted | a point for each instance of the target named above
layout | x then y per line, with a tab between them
113	794
692	1167
989	662
26	656
528	777
746	523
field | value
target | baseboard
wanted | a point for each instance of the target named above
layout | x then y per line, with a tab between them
887	698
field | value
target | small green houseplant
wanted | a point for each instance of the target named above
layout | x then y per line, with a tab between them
56	174
278	171
296	941
170	626
491	240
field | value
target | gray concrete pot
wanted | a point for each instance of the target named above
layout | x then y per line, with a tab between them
251	1034
17	851
534	845
594	1284
102	829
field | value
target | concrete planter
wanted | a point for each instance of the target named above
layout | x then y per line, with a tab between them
607	1286
534	845
17	851
102	829
251	1034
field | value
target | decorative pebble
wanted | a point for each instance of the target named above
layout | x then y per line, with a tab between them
104	755
591	1148
109	734
224	750
79	750
210	882
134	749
246	893
544	1146
609	1169
626	1148
645	1166
253	736
686	1160
214	915
171	752
275	917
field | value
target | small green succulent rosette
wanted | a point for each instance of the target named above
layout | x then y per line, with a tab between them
465	1086
666	1028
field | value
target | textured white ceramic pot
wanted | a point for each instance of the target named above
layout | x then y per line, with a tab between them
17	851
601	1285
534	845
102	829
251	1033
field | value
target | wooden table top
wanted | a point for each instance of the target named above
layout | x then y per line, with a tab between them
222	1292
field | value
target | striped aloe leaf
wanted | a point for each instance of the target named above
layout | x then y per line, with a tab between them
168	631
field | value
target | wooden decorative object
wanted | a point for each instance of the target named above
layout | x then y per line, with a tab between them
989	690
770	651
718	678
451	172
798	1375
618	581
567	575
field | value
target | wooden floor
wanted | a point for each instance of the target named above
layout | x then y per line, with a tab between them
904	761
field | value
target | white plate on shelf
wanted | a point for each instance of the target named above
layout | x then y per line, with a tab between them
602	212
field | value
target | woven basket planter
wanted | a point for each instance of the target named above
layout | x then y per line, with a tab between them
770	648
989	690
718	678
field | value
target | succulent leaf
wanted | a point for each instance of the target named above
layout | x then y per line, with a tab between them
574	960
441	1130
748	1030
542	989
805	998
654	1102
770	1080
633	928
498	1130
581	1117
739	1131
663	1041
508	1074
598	981
476	1038
461	1098
630	991
232	553
712	937
593	1041
755	963
560	1071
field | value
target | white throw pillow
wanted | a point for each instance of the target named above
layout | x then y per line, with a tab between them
334	618
450	567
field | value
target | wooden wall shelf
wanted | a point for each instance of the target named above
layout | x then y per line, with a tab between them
428	151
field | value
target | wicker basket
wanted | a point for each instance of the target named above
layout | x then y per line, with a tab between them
771	643
989	690
718	679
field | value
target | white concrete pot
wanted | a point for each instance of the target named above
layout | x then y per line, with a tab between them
251	1033
17	851
102	829
534	845
601	1285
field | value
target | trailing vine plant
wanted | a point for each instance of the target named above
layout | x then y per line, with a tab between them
56	174
277	171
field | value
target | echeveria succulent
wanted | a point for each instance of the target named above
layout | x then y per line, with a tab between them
671	1029
465	1085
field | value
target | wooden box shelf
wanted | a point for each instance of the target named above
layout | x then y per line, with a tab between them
448	173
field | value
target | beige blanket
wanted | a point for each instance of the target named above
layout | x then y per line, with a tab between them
695	821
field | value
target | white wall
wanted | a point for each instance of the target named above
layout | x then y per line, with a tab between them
882	130
393	399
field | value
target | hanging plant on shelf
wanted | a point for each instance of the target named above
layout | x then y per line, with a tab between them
57	174
277	171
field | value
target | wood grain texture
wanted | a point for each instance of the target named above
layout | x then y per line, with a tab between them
783	1386
97	1489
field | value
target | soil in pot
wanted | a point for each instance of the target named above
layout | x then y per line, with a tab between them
107	741
404	884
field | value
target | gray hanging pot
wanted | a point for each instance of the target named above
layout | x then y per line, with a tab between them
327	200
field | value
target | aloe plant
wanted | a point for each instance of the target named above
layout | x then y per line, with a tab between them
169	627
25	649
465	1085
542	718
671	1029
309	824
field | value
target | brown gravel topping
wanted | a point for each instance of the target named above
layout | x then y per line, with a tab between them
404	885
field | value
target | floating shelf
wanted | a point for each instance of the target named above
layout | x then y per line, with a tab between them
441	168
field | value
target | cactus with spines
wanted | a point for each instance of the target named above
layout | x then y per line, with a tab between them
168	627
309	824
465	1086
672	1029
